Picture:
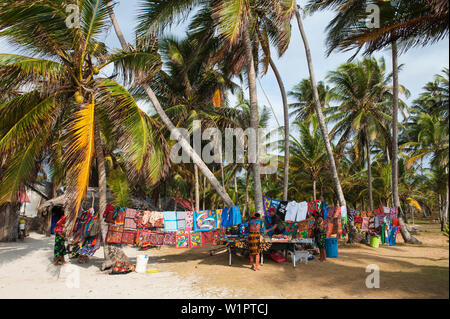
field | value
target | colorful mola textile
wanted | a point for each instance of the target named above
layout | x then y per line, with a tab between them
315	209
291	228
204	221
266	203
189	222
208	237
218	217
169	238
129	237
170	221
182	240
114	235
195	240
157	239
219	235
143	237
130	222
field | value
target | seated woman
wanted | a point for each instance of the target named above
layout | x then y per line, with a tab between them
255	226
277	225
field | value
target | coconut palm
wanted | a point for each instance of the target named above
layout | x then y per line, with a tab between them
308	154
364	95
303	108
64	98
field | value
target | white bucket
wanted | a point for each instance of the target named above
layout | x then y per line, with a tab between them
141	263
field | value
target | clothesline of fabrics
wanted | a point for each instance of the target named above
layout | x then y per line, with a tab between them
299	217
381	222
182	229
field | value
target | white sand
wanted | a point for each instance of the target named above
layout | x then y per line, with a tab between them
27	271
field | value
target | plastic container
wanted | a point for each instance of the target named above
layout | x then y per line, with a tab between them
374	241
331	247
141	263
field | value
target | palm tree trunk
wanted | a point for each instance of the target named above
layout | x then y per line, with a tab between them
254	119
286	129
369	173
168	123
197	192
247	182
204	193
111	253
407	237
318	108
314	189
236	195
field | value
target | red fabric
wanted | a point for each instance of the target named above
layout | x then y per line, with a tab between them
395	222
208	237
108	214
278	257
129	237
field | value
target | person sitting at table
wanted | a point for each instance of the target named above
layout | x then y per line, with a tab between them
254	241
277	225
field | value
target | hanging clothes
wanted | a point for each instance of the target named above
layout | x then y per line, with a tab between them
291	211
302	211
282	210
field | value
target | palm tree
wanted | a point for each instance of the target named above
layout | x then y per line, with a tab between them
303	108
64	95
364	95
308	154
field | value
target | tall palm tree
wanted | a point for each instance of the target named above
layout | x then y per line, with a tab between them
364	95
64	95
308	153
166	120
303	107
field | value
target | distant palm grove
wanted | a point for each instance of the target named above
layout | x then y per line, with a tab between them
71	108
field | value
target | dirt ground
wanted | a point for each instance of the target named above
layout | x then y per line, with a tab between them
406	271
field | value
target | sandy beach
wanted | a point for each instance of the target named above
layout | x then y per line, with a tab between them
406	271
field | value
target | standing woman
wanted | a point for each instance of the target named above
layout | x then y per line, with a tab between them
60	241
320	235
255	226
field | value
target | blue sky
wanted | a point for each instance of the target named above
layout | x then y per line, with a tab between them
421	64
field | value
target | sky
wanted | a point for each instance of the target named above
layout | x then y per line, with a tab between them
420	64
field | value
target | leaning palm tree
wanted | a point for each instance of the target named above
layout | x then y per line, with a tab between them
64	98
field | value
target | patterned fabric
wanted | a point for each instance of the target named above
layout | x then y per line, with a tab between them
143	220
181	220
266	203
157	219
315	209
114	235
393	236
60	247
226	218
169	238
59	227
204	221
320	235
304	234
358	219
291	228
282	209
208	237
365	224
236	215
130	219
143	237
351	215
275	204
218	236
334	226
182	240
218	217
195	240
393	213
90	246
119	216
157	239
303	226
129	237
170	221
325	210
109	213
189	222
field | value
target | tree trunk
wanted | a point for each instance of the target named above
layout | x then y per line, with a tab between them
369	172
404	231
111	253
314	189
286	129
173	130
320	117
197	192
247	182
204	193
253	141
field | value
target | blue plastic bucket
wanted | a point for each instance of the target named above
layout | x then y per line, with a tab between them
331	247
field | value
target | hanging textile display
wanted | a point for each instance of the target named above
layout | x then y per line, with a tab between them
169	238
114	235
130	222
324	210
129	237
108	215
156	239
157	219
226	218
182	240
207	237
170	221
266	203
143	237
195	240
218	217
218	236
365	224
236	215
282	210
189	221
181	220
204	221
119	216
315	209
143	220
291	228
393	236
